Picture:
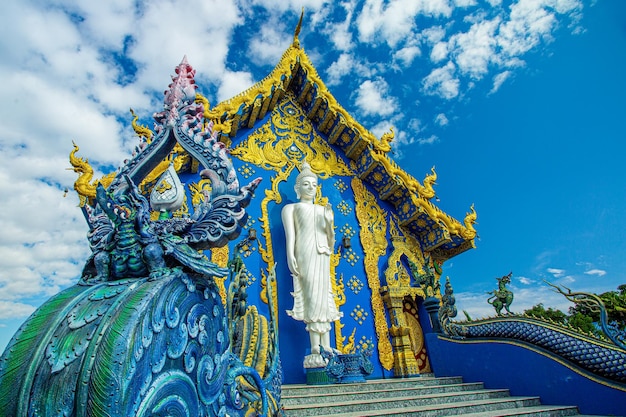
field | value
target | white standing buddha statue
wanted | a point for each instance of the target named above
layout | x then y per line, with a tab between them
310	241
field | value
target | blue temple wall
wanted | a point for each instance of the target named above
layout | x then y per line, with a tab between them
525	371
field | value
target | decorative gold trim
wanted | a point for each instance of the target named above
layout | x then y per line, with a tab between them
219	256
267	252
466	230
373	231
384	144
210	117
289	138
200	191
340	298
396	274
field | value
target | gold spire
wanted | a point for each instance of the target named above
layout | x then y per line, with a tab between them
296	42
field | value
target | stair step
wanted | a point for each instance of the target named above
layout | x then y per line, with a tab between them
538	411
425	396
423	402
369	385
502	408
383	393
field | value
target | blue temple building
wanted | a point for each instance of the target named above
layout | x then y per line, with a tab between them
384	218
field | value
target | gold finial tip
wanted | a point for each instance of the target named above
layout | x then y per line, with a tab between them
296	42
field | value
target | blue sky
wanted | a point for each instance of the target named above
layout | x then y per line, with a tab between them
519	105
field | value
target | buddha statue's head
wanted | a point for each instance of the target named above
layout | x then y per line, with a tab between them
306	182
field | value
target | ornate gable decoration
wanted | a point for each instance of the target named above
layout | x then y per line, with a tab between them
295	76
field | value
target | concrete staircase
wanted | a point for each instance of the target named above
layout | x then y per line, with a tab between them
422	396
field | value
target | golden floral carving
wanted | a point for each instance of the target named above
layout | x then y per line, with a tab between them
396	274
289	138
373	226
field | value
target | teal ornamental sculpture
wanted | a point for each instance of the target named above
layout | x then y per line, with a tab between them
144	332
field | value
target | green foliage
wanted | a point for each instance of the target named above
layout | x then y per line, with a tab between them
551	314
615	303
582	317
583	323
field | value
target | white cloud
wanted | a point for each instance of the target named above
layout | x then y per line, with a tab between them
596	272
531	22
496	39
406	55
429	140
394	20
45	253
269	44
9	309
338	69
439	52
339	32
498	80
233	83
433	35
557	273
475	49
348	64
294	5
442	82
441	120
464	3
415	126
161	43
372	98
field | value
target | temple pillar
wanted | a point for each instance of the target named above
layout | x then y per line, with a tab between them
405	364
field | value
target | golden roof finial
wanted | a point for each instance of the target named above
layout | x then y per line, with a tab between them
296	42
384	144
85	188
469	221
141	130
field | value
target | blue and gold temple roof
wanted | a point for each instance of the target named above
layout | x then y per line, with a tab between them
437	232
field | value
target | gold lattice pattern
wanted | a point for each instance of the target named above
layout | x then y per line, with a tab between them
347	231
247	249
355	284
344	208
341	185
359	314
365	344
351	256
249	223
249	277
246	171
